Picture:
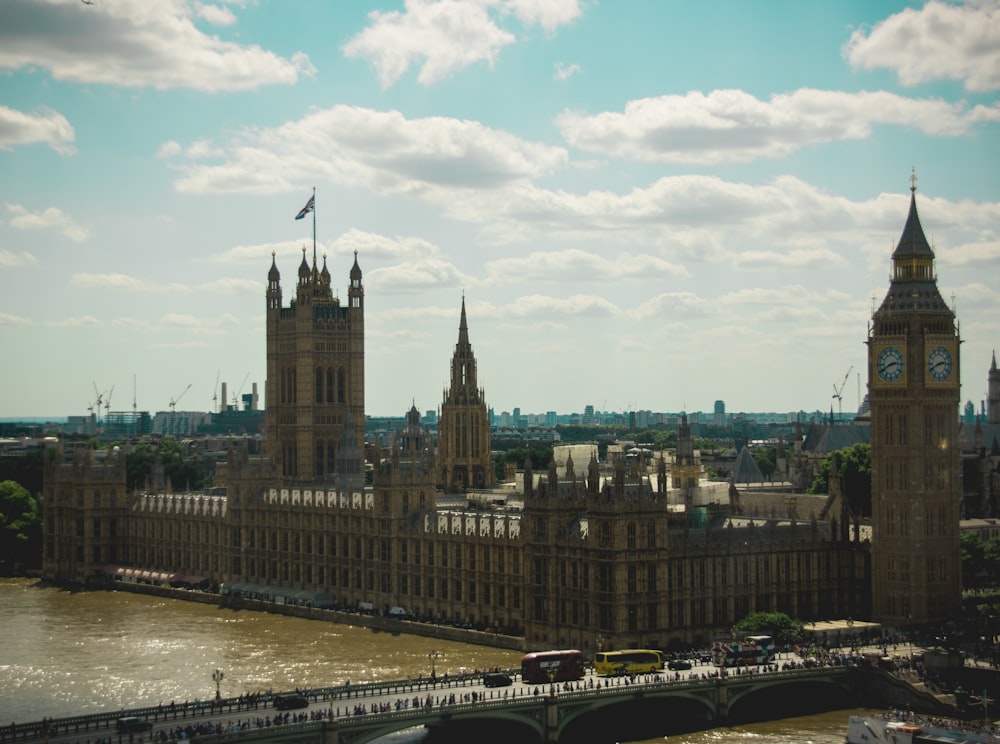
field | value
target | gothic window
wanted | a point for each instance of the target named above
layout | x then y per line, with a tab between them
630	535
604	578
329	385
650	534
605	533
340	384
406	503
319	385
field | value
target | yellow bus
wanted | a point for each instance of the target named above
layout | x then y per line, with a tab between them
630	661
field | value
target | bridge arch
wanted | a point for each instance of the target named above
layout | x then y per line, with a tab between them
514	723
637	714
767	698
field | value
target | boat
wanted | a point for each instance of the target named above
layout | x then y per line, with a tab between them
897	727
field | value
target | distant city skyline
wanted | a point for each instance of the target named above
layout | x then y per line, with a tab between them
656	205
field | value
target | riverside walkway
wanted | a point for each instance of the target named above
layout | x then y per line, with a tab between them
531	713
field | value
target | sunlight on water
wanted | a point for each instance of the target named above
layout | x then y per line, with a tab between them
67	653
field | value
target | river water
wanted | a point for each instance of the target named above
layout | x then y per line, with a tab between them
65	653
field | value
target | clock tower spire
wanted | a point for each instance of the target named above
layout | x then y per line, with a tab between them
913	387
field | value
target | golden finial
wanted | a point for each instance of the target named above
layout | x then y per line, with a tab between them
913	179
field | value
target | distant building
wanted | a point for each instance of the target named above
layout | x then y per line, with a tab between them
720	413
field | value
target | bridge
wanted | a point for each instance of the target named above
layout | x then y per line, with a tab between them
594	709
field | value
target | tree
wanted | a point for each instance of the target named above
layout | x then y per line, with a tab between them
766	459
973	559
183	471
778	625
20	528
540	459
855	476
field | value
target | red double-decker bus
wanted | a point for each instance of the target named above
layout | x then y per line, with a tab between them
552	666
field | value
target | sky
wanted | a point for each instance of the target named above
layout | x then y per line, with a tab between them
646	205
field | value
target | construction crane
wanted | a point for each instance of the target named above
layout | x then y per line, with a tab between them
96	408
107	403
838	393
236	398
174	401
215	393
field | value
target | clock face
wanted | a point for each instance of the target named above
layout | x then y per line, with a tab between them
890	364
939	363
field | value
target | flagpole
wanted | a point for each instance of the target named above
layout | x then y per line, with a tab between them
314	225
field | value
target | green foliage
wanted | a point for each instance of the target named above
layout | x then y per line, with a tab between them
766	459
184	471
540	456
980	561
855	470
778	625
20	527
25	470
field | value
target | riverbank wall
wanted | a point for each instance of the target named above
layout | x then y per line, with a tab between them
375	623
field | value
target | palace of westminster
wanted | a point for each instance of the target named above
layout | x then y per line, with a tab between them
635	550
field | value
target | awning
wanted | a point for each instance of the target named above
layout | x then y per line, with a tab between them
189	579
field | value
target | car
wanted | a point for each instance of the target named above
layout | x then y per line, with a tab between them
678	664
132	725
290	701
497	679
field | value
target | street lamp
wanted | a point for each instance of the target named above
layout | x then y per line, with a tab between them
217	677
433	656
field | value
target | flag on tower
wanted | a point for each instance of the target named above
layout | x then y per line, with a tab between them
310	205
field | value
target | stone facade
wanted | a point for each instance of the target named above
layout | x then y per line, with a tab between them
591	554
913	388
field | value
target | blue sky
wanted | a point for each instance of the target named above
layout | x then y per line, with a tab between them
647	205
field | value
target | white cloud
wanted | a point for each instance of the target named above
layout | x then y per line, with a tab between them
383	151
233	285
816	258
50	218
372	245
122	282
409	276
574	265
549	14
83	321
8	319
935	42
442	36
169	149
564	71
136	44
215	14
734	126
10	259
18	128
203	148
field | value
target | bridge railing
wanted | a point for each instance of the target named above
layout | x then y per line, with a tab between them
184	714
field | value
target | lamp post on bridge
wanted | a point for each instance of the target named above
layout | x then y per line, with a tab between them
217	677
433	656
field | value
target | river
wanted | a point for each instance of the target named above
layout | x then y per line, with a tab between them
65	653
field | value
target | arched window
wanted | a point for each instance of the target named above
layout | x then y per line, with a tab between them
329	385
340	384
319	385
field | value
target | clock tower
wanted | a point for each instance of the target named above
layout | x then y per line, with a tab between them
913	387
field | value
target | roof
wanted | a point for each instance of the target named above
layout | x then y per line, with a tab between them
824	438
